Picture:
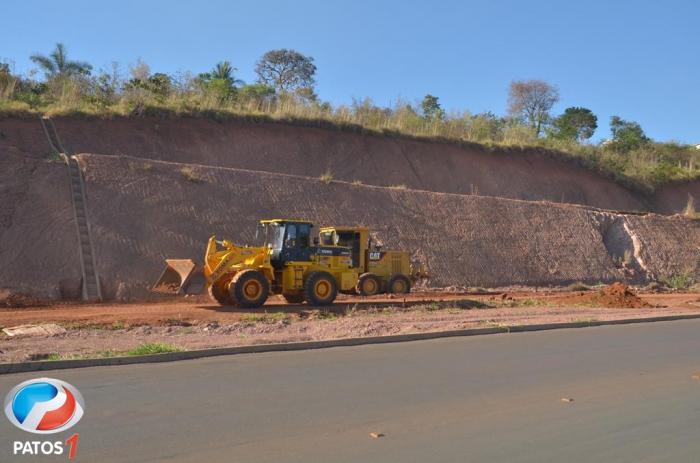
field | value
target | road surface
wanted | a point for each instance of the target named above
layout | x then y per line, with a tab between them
476	399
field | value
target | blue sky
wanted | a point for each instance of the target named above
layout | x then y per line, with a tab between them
636	59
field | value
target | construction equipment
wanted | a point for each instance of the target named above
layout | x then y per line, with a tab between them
289	262
380	271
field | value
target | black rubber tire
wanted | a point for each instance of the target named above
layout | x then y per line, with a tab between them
219	293
368	284
311	285
242	281
294	298
394	280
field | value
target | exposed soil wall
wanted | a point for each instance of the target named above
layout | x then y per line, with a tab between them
309	151
673	198
144	211
38	241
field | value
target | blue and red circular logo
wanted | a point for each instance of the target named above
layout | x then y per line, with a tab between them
44	406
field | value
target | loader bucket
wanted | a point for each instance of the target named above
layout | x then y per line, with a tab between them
181	276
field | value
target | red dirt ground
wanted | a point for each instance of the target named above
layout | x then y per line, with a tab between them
94	330
200	309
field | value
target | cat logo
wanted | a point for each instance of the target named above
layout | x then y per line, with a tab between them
375	255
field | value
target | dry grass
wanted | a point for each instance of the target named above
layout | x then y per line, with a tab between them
327	177
689	210
191	175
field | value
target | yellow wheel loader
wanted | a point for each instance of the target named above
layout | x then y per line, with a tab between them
291	263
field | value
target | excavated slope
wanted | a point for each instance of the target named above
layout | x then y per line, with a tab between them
38	244
144	211
349	156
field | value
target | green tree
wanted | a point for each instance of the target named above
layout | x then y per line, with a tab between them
431	108
626	135
57	64
256	94
286	70
220	82
575	124
7	82
224	72
158	85
531	101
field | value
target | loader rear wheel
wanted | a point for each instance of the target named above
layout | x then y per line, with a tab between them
219	293
320	288
249	289
399	284
368	285
294	298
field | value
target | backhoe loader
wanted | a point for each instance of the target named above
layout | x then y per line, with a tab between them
291	263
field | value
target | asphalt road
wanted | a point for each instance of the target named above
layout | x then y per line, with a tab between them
477	399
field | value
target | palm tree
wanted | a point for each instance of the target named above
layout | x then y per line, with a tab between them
57	63
224	71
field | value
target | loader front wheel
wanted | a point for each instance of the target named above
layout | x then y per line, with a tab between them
399	284
368	285
249	288
218	292
320	288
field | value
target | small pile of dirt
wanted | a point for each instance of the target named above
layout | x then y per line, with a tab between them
614	296
14	299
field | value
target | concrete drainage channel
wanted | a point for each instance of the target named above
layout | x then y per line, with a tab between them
9	368
91	290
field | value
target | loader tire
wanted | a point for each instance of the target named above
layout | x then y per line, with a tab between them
398	284
294	298
320	288
249	289
368	285
218	291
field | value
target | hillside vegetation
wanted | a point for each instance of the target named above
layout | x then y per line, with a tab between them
285	91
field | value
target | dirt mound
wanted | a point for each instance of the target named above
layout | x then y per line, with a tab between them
615	296
12	299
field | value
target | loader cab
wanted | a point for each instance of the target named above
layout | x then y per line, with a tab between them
355	238
288	240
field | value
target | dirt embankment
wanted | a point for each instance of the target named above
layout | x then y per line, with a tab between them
38	244
143	211
309	151
673	198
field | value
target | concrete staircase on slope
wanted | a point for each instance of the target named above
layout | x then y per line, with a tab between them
91	290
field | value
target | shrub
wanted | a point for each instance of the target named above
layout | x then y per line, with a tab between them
327	177
679	280
190	175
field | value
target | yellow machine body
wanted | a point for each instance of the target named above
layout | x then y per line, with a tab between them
391	271
289	263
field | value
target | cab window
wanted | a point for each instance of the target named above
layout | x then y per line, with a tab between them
304	235
291	241
327	238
